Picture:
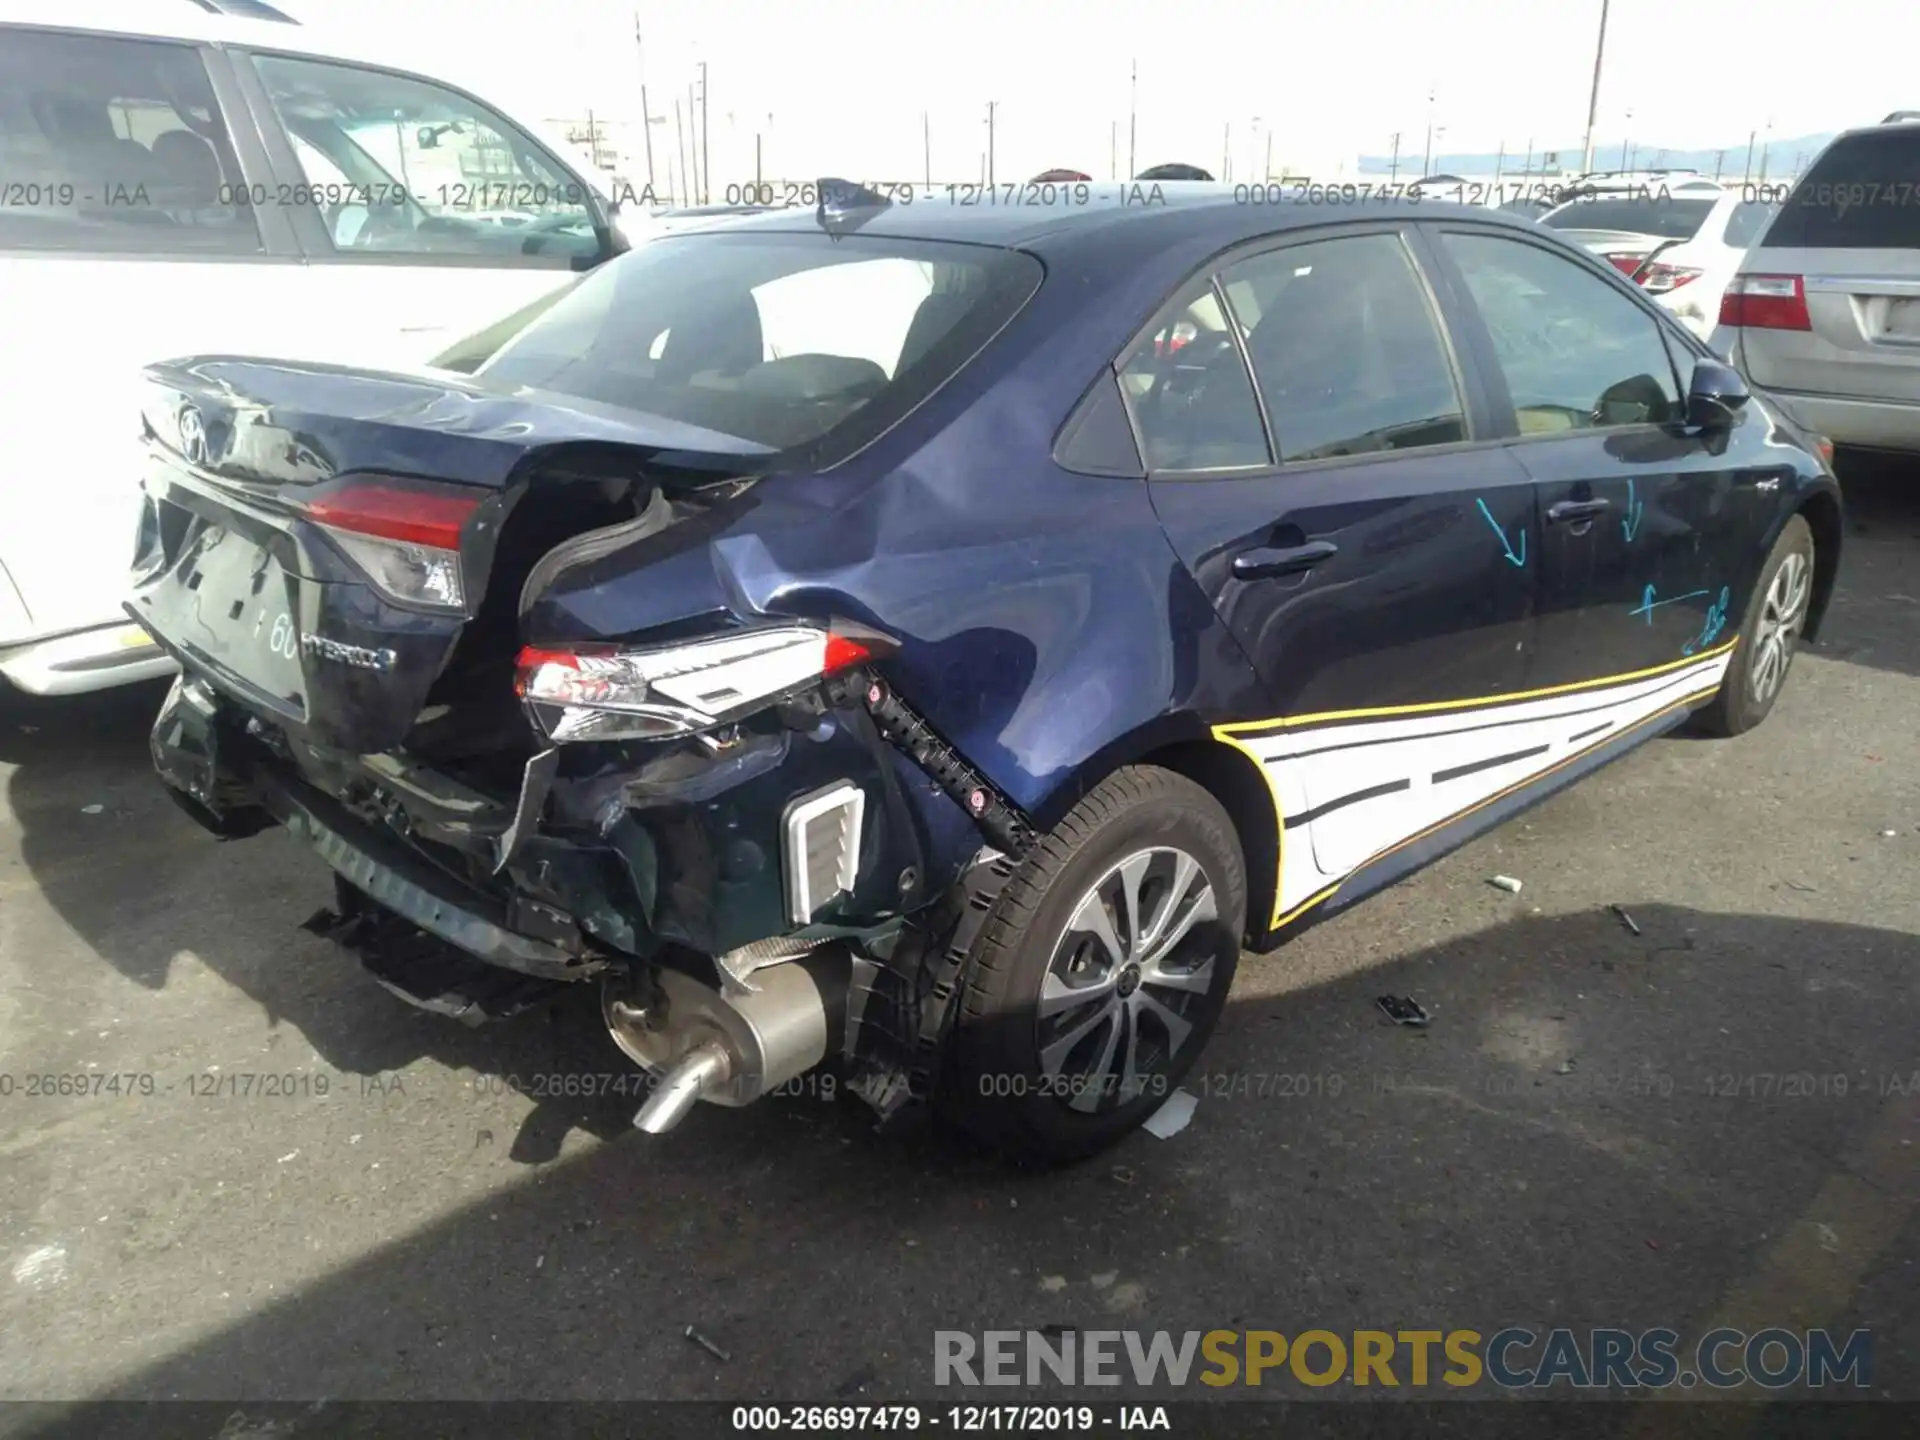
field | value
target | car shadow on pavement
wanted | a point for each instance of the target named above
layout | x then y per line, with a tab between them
1874	617
148	891
1596	1128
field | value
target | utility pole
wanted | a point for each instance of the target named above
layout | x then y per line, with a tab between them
1526	170
1394	171
1747	174
1426	167
646	114
926	148
1719	156
990	108
1133	122
680	145
756	166
1226	152
1266	170
1624	143
1113	151
1499	164
706	166
1593	98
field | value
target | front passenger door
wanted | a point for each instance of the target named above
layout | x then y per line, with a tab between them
1648	531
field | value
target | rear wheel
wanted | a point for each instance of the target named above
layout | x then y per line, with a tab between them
1769	635
1102	971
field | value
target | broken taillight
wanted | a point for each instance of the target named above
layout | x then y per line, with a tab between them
404	534
603	693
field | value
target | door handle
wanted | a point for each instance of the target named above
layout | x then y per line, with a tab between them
1575	510
1264	561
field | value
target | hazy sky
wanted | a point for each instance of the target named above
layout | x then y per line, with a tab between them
845	82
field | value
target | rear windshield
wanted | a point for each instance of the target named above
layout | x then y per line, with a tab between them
1644	213
804	343
1862	194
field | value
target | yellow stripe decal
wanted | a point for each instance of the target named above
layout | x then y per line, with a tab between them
1290	721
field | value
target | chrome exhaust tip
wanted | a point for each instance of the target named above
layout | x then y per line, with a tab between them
727	1048
681	1086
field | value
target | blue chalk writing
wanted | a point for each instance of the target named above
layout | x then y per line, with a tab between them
1635	510
1648	604
1716	622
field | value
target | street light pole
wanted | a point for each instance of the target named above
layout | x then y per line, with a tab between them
1426	166
926	148
1133	121
990	108
1593	98
706	166
1394	169
646	113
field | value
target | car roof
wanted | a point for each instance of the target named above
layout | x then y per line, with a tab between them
1175	210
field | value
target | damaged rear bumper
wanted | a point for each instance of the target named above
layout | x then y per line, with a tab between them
608	853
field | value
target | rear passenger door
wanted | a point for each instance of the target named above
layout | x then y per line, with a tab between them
124	239
1649	531
1373	557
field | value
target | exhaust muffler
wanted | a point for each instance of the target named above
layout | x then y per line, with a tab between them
729	1049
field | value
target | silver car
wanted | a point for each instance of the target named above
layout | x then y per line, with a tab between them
1825	311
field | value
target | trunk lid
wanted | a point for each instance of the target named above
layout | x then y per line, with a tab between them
315	539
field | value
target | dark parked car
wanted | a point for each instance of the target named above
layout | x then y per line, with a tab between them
859	637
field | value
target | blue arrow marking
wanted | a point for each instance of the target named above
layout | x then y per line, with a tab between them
1512	559
1634	511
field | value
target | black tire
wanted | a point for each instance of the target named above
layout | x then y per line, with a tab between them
994	1084
1738	707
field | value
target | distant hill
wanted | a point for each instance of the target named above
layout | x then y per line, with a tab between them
1781	154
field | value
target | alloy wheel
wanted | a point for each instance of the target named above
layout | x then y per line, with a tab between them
1782	614
1127	974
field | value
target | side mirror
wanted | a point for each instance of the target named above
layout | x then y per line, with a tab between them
1715	395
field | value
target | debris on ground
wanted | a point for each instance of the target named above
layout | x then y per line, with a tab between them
707	1345
1402	1010
1566	1067
1173	1117
1891	834
1104	1280
91	809
1625	919
1506	883
1124	1174
1052	1284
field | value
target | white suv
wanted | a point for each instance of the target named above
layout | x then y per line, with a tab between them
174	181
1681	237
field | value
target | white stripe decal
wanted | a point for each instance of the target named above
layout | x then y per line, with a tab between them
1353	789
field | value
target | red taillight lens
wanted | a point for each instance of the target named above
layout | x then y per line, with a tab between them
1658	278
405	536
604	693
418	517
1625	264
1766	302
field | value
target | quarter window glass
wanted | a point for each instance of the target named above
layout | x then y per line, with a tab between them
1749	218
1576	355
1187	385
395	165
115	145
1346	349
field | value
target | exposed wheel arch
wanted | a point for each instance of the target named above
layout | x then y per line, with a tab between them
1822	514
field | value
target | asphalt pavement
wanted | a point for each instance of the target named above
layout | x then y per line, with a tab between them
285	1184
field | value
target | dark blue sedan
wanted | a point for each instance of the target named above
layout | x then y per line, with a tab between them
921	639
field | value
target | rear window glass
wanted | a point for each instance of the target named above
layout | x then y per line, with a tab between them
1652	212
1863	193
1749	218
800	342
